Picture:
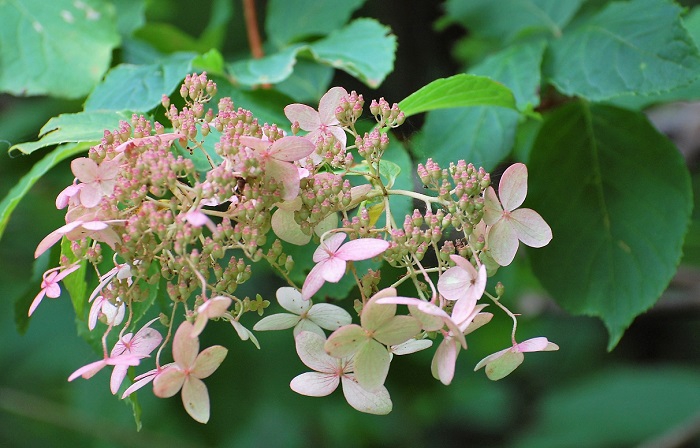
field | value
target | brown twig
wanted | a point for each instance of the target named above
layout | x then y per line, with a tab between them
251	25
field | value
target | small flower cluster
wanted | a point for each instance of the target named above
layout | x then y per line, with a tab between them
193	207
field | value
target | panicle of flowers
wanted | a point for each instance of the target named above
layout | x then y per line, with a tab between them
185	210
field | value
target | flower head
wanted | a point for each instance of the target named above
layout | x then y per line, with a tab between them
305	316
501	364
508	225
329	372
140	344
331	259
187	372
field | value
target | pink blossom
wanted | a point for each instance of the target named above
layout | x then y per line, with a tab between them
143	379
502	363
76	230
89	370
211	309
141	344
331	259
198	219
305	316
187	372
330	372
69	196
49	285
462	281
380	327
97	180
277	158
508	225
323	121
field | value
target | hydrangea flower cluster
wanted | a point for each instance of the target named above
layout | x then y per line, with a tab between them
186	211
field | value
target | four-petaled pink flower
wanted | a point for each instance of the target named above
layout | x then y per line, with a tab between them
501	364
211	309
140	344
329	372
76	230
380	327
462	281
97	180
305	316
49	285
187	372
508	225
277	158
331	259
323	121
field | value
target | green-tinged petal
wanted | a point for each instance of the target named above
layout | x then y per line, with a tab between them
372	365
502	241
492	207
346	340
377	402
444	360
307	325
208	361
530	228
374	314
168	382
504	365
310	348
195	398
330	317
290	299
314	384
397	330
512	188
185	347
280	321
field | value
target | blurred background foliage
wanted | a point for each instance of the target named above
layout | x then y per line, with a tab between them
646	392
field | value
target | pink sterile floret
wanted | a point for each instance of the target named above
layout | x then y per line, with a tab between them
49	285
97	180
323	121
331	259
140	344
502	363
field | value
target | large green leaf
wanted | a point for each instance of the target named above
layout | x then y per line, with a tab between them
457	91
625	406
74	128
638	47
270	69
617	195
60	47
17	192
480	135
75	283
508	19
139	88
287	21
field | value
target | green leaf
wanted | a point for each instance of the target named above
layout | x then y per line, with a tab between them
17	192
510	19
167	38
75	282
211	62
60	48
458	91
638	47
365	49
74	128
270	69
131	15
140	309
308	82
618	198
627	407
518	68
291	20
481	135
139	88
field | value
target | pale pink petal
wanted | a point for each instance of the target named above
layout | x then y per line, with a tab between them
503	242
333	269
339	134
286	174
329	246
372	365
84	169
109	169
53	290
146	340
280	321
291	148
168	382
536	345
504	365
195	399
54	237
95	225
141	381
531	229
185	348
208	361
215	307
94	314
314	384
346	340
118	375
453	283
64	197
254	143
90	195
291	300
306	116
512	188
37	300
362	249
493	211
329	103
330	317
64	273
444	360
313	282
411	346
310	348
88	371
287	229
397	330
376	402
